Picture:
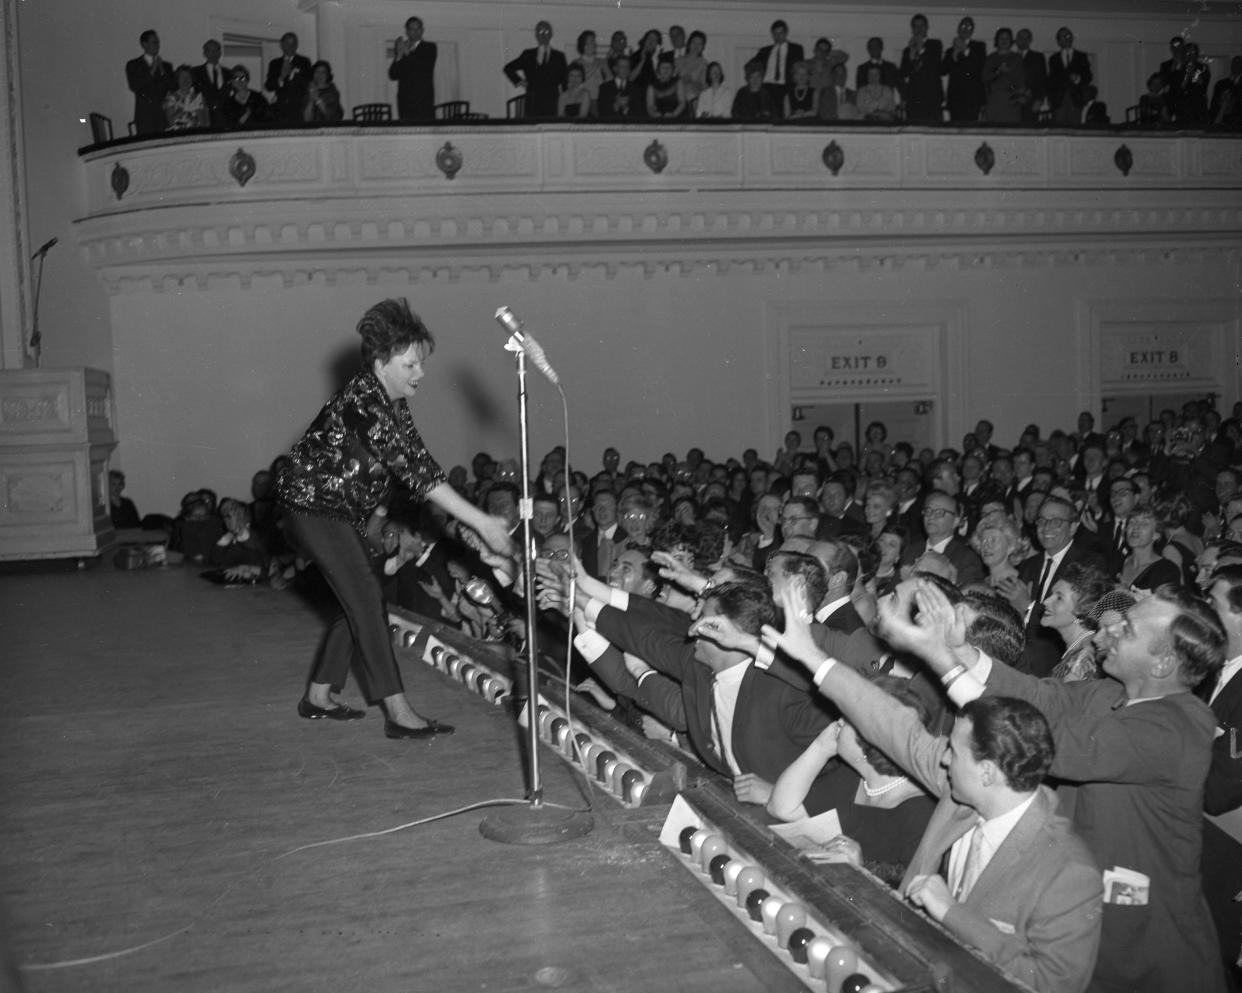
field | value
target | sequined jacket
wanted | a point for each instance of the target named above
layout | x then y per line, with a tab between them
353	451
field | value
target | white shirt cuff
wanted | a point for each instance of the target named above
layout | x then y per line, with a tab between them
591	644
821	673
619	599
971	684
592	609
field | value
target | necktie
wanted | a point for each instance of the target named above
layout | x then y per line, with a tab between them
780	63
215	77
1119	537
543	55
1043	578
972	868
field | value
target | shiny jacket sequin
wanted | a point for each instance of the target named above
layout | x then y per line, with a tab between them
345	463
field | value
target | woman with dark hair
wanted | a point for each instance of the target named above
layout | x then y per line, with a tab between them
243	107
1145	568
339	474
645	59
595	70
715	99
323	99
692	67
1072	608
886	552
574	103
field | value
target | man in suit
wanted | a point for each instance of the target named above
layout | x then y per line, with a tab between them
1069	75
777	61
1094	111
150	79
836	101
963	64
834	522
212	80
541	71
1034	72
921	89
941	515
1222	794
1138	748
909	510
288	78
889	75
743	721
997	865
413	67
799	518
598	549
1056	525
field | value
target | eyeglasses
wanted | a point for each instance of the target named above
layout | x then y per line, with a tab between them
1051	523
937	512
555	554
788	519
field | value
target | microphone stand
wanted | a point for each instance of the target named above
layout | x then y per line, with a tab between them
36	336
534	824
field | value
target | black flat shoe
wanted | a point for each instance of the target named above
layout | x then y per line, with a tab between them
432	729
338	713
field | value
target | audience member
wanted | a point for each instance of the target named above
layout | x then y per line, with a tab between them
121	509
288	78
716	99
212	81
889	74
413	69
875	101
244	107
541	72
1005	81
754	102
1034	75
323	100
921	91
666	100
595	68
150	79
691	68
963	64
1226	106
776	62
836	101
574	103
1069	74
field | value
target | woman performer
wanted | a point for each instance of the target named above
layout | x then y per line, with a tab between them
339	474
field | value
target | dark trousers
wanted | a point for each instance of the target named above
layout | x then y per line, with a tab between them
359	637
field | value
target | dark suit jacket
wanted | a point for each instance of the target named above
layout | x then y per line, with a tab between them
543	82
889	75
409	594
1226	87
773	723
149	84
793	54
832	110
213	96
1044	646
920	83
611	110
1096	115
1060	88
415	77
291	96
965	95
1035	72
1042	884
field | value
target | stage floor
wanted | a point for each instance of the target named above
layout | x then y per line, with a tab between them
154	770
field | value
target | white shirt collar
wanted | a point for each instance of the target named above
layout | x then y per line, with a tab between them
940	546
1227	673
830	608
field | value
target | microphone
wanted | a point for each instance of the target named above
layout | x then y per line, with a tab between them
534	351
47	247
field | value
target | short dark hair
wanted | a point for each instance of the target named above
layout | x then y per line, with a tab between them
326	64
997	629
778	24
812	571
390	327
1196	635
147	35
747	603
1014	735
582	40
1089	584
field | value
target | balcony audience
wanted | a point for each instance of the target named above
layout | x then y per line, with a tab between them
595	68
801	99
754	102
244	107
666	99
691	68
184	106
875	100
574	103
1004	79
212	81
776	62
963	65
921	89
837	102
1069	75
620	99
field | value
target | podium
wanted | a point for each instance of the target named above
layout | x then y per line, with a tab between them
57	434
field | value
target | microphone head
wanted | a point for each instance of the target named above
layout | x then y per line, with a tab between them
508	321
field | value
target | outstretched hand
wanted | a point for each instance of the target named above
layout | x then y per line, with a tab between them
724	633
795	640
675	572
